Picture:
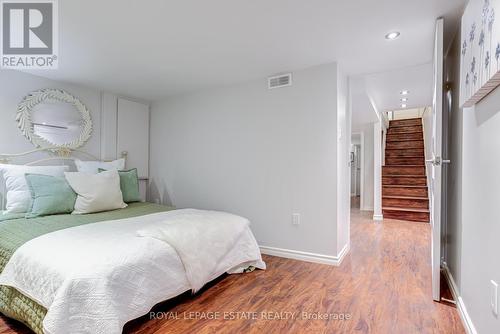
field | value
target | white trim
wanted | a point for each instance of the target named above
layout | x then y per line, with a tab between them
377	171
368	208
306	256
462	310
378	217
343	253
362	171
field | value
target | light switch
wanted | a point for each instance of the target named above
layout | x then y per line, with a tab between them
296	219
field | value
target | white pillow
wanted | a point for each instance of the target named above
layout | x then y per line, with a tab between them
92	167
18	193
96	192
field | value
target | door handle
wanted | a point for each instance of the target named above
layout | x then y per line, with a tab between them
437	161
434	162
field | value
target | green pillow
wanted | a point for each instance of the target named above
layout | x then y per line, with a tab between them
50	195
129	184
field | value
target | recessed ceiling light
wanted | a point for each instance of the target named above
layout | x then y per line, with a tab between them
403	105
392	35
404	92
404	99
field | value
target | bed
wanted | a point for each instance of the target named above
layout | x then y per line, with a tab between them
15	230
93	273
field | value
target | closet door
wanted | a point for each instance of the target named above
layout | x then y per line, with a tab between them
133	135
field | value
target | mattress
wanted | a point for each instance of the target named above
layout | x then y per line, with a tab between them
15	231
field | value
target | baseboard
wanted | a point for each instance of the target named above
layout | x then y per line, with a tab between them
306	256
378	217
345	250
369	208
462	310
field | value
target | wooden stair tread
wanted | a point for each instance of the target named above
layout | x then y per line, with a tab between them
403	133
405	197
419	140
404	148
402	186
391	208
406	156
397	175
404	165
404	122
405	119
388	140
399	140
403	125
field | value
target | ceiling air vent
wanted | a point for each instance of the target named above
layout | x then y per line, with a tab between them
278	81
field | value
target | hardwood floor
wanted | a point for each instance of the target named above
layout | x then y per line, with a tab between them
383	286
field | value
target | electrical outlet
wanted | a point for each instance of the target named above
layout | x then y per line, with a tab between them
296	219
494	297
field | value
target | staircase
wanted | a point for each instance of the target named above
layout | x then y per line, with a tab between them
404	183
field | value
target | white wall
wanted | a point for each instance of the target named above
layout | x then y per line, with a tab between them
408	113
263	154
473	229
343	170
480	216
453	224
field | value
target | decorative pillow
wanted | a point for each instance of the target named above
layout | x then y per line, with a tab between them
92	167
129	185
50	195
18	193
96	192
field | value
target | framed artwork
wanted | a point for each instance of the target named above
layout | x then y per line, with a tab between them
480	54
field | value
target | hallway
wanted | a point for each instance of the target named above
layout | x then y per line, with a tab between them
390	262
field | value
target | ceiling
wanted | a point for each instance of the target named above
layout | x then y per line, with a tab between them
385	88
155	48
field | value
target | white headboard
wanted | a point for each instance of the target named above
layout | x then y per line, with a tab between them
44	156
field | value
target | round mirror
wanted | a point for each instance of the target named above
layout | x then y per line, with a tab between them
54	118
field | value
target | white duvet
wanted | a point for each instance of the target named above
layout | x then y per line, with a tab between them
95	278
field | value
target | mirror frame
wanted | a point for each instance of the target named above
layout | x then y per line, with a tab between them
24	121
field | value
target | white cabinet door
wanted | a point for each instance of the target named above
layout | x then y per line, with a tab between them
133	135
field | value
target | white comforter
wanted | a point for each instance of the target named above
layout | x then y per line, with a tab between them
95	278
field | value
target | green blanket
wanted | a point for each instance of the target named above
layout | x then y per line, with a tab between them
14	232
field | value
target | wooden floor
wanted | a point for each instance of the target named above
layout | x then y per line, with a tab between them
383	286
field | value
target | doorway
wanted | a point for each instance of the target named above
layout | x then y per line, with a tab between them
356	165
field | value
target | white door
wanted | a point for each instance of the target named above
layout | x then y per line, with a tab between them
435	164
